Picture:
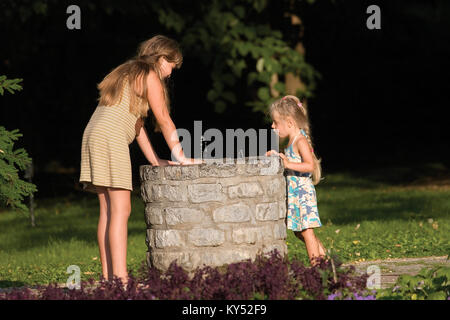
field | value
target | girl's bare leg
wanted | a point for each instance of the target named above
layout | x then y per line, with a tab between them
102	233
312	245
118	230
322	250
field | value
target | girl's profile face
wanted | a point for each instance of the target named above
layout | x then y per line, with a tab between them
166	67
280	124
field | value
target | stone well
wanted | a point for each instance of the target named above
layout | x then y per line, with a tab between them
214	213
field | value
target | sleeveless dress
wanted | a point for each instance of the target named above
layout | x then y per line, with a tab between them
105	154
302	202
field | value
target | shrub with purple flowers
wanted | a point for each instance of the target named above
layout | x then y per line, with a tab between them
268	277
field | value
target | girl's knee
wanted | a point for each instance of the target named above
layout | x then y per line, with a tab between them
120	201
103	199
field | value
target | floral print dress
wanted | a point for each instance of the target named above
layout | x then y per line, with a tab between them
302	202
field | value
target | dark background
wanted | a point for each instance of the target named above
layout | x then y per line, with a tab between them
381	101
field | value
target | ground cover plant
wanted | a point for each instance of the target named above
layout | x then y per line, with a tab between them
268	277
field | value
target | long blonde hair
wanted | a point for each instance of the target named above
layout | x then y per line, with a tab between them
135	71
290	106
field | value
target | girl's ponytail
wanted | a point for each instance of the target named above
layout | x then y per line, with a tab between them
317	173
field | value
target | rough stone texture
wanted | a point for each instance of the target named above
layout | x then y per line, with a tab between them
215	213
267	211
245	190
206	237
232	213
176	216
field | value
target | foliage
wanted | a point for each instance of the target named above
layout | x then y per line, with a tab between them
9	84
12	188
268	277
428	284
235	40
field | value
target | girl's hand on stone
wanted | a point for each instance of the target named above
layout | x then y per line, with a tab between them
272	152
164	162
285	159
188	161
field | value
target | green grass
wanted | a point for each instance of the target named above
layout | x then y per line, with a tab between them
393	219
66	235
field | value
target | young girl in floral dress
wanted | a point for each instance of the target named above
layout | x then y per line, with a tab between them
302	170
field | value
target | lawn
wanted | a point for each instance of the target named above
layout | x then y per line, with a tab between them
364	218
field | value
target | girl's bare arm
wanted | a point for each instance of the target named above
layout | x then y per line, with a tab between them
155	96
304	150
145	144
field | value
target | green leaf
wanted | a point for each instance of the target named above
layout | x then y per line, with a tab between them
242	48
212	95
259	5
280	86
439	295
229	96
264	93
260	65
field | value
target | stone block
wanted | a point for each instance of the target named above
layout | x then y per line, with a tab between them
275	186
205	192
153	215
152	173
188	172
232	213
282	209
162	260
168	238
162	192
206	237
265	233
220	257
176	216
244	235
245	190
279	231
267	211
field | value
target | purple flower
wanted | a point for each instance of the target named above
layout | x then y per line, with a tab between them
333	296
358	297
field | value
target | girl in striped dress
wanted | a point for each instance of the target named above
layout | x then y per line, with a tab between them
303	171
127	93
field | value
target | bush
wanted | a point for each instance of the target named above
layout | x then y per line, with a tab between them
268	277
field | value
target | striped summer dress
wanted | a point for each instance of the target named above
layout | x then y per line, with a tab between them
105	154
302	203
